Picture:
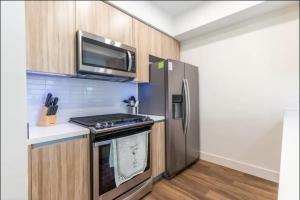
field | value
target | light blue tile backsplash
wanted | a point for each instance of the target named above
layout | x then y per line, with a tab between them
77	97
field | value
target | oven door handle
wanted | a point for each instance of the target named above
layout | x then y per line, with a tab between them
97	144
109	141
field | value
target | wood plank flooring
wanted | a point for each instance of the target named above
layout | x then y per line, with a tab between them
208	181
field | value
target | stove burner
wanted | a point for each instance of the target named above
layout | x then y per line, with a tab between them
110	120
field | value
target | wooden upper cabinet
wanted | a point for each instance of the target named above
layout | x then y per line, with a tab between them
92	16
60	171
104	20
155	43
142	44
170	47
149	41
120	26
176	52
50	36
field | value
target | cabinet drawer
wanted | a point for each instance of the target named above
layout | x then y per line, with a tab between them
60	171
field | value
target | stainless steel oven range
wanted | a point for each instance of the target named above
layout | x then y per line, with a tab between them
105	128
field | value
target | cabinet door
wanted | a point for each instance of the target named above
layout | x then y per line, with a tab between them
60	171
142	45
170	47
120	26
155	43
50	36
92	16
158	148
102	19
176	51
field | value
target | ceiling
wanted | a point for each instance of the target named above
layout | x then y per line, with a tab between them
175	8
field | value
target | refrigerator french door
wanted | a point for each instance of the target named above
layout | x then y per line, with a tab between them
193	133
175	117
173	92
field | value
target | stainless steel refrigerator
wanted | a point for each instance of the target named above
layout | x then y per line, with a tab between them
173	91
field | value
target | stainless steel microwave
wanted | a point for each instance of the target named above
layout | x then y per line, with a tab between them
101	58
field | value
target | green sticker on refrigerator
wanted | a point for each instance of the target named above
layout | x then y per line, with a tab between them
161	65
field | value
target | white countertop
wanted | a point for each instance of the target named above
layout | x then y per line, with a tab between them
289	165
39	134
155	118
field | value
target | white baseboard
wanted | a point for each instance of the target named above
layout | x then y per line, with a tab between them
241	166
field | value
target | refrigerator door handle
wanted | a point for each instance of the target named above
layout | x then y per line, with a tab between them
186	107
183	106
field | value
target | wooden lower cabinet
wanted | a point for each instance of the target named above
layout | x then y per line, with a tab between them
158	148
59	171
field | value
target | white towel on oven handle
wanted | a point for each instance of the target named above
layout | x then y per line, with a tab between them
129	156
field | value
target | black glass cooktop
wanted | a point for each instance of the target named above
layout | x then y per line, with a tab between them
109	120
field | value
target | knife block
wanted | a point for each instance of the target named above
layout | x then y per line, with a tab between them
47	120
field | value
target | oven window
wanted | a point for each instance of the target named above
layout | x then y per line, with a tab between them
106	170
102	55
107	178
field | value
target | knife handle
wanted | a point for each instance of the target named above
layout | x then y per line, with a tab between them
55	108
55	101
50	110
48	98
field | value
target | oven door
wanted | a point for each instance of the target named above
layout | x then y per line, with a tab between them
102	56
104	187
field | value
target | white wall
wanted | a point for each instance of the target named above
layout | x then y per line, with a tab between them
213	15
77	97
249	73
148	12
201	18
289	164
208	12
13	102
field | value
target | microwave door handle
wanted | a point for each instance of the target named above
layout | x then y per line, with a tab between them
129	61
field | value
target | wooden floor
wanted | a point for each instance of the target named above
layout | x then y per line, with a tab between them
206	180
